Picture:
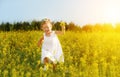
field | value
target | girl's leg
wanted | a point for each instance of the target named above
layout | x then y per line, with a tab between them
46	61
54	67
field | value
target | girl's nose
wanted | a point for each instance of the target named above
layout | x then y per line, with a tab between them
46	29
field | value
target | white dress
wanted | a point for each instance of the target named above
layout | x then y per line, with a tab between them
51	48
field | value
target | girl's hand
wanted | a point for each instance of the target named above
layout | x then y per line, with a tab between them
62	24
63	27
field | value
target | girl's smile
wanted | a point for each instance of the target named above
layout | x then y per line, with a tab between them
47	28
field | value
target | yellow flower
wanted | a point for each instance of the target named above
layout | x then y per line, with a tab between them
38	62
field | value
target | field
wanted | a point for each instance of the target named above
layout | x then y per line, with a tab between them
95	54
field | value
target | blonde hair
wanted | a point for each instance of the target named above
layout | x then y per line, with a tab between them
44	21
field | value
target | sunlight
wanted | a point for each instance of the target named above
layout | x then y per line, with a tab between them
112	15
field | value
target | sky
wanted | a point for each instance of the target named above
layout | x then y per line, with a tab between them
80	12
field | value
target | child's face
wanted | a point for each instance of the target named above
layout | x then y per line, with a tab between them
47	27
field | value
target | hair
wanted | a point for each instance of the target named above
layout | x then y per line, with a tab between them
44	21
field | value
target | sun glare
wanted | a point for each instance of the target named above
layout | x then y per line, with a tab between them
112	15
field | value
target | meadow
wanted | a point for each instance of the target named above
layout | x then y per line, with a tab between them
87	54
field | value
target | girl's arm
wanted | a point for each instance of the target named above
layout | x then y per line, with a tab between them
61	32
40	41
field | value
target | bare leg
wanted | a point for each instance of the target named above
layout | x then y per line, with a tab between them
54	66
46	61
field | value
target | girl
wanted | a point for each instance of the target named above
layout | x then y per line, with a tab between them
51	48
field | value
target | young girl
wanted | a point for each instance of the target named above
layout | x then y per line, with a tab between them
51	48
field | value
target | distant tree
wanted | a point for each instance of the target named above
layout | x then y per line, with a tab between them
25	26
11	26
36	25
73	27
107	27
18	26
56	26
97	27
78	28
5	26
33	23
2	26
87	28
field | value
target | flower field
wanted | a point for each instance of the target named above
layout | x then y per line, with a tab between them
93	54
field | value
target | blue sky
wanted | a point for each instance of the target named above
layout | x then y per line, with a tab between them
80	12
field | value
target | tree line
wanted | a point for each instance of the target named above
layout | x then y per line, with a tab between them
36	25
